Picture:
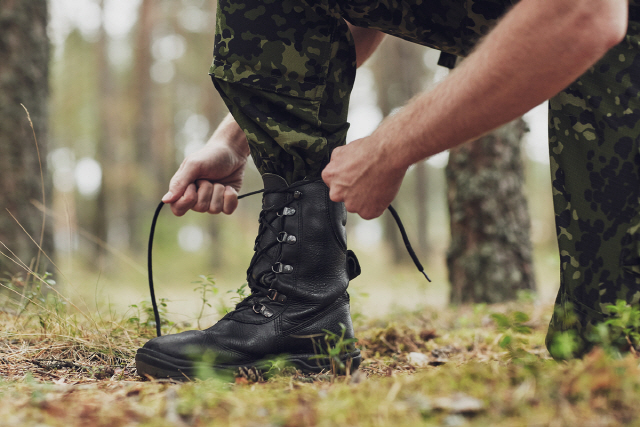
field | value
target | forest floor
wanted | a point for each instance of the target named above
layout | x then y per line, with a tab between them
480	365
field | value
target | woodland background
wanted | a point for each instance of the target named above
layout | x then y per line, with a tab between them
129	96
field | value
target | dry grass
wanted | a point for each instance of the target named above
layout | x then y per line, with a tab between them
431	367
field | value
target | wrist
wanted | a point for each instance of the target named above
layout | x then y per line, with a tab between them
392	148
230	134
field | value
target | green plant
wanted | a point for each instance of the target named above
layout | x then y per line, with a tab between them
624	323
206	285
240	293
23	292
335	347
565	345
144	310
513	327
619	332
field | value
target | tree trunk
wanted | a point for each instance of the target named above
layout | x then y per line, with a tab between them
24	59
490	257
105	145
400	73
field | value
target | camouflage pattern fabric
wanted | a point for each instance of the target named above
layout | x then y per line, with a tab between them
594	137
286	68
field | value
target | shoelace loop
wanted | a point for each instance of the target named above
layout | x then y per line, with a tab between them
258	291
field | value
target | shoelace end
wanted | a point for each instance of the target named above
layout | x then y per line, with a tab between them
425	275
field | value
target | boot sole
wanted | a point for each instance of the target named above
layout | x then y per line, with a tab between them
156	365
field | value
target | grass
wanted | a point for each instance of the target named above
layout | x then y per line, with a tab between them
482	365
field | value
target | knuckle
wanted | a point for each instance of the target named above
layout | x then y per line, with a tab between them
200	207
177	211
188	199
191	162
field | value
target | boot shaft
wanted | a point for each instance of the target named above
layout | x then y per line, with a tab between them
301	250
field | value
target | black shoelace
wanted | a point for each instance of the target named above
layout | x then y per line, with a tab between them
259	291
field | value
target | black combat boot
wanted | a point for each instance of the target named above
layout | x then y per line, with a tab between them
298	277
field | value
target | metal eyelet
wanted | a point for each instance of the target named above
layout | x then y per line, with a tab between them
297	194
275	296
279	267
264	310
283	237
287	211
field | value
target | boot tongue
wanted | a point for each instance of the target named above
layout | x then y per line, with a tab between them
273	182
266	261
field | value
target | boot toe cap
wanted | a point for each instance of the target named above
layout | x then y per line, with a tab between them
181	346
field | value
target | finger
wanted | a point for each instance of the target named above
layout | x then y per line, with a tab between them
367	214
217	201
336	195
336	151
184	176
326	175
205	192
230	202
186	202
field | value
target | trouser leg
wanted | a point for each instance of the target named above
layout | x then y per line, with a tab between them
286	68
594	136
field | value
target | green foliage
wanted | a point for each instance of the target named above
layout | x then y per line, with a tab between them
514	323
206	285
23	292
624	323
144	318
277	366
617	334
565	345
238	294
335	348
514	339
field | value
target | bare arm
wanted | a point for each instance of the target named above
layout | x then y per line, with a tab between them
366	41
538	49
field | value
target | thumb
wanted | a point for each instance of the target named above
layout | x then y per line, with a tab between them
179	183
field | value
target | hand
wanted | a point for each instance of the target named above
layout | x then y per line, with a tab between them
361	175
208	180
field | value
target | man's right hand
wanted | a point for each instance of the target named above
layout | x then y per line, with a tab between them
209	179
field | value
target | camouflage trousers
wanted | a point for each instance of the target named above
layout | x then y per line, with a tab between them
286	68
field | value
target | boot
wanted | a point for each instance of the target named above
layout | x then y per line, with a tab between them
298	276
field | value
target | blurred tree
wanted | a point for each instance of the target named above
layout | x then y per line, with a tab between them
400	74
490	256
104	142
24	58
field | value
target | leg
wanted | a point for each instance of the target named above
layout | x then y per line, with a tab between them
594	141
285	70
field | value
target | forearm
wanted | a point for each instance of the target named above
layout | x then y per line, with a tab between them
538	49
366	42
230	133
